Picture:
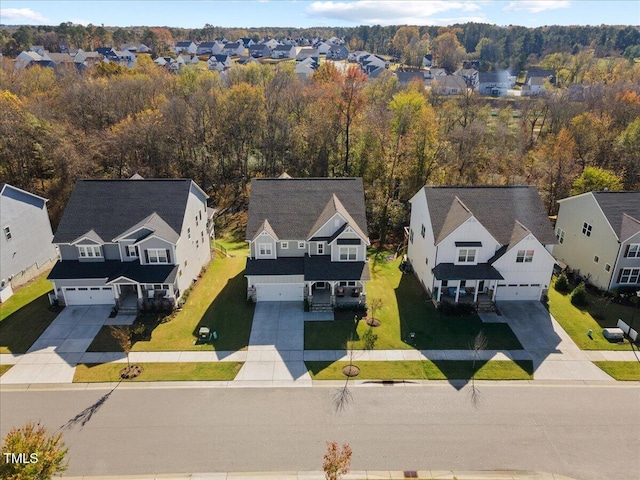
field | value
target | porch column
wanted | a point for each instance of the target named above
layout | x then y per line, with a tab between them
439	290
475	292
170	292
362	287
139	288
495	290
333	286
457	291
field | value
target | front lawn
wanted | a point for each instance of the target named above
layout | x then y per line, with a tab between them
627	371
578	321
25	316
405	309
159	372
217	301
425	370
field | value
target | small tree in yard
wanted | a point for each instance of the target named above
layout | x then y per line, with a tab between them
579	295
122	334
373	305
562	284
337	461
44	454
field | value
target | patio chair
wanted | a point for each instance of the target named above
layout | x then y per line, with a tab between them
340	292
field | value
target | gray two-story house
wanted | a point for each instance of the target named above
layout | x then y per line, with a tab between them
308	240
130	242
599	236
25	240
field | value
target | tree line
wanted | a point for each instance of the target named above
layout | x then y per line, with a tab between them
259	120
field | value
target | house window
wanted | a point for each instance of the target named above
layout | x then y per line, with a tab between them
301	245
607	267
633	251
411	235
132	251
7	233
560	235
596	259
200	214
196	220
197	243
426	260
284	245
265	249
586	229
157	255
525	256
423	230
466	255
189	233
320	248
89	251
629	275
348	253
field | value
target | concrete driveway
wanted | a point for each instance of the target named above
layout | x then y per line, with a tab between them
276	347
555	356
54	356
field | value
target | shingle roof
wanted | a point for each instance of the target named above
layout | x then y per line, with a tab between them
497	208
614	204
111	207
481	271
112	269
293	205
316	267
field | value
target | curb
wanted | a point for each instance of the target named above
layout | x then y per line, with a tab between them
355	475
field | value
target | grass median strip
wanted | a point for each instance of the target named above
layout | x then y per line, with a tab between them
426	370
158	372
626	371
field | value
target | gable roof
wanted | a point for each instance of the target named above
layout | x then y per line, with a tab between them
497	208
4	191
112	207
615	204
456	216
335	206
294	206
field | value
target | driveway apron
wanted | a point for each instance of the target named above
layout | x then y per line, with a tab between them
555	356
276	347
54	356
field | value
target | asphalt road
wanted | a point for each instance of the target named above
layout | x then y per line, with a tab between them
585	432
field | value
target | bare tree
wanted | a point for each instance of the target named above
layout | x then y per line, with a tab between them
122	334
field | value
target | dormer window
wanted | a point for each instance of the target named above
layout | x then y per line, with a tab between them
89	251
348	254
132	251
265	250
157	255
467	255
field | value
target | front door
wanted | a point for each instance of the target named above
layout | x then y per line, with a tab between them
321	285
481	286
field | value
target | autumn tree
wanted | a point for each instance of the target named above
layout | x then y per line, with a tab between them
448	51
337	461
595	179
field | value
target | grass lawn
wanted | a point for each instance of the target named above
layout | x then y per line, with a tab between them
425	370
628	371
158	372
217	301
25	316
578	321
405	309
4	368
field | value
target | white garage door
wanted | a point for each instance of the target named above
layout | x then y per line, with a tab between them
89	296
289	292
520	292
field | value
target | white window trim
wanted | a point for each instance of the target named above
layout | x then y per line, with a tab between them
132	252
560	235
320	248
466	257
7	233
634	274
96	251
153	253
525	256
301	245
349	250
636	252
607	267
587	229
284	245
268	250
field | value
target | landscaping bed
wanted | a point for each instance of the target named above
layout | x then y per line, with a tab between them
158	372
425	370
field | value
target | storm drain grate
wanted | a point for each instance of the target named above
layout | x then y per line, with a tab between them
410	474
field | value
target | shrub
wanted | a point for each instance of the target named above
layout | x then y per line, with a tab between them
579	295
369	339
337	461
562	283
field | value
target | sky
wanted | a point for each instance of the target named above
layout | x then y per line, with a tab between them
336	13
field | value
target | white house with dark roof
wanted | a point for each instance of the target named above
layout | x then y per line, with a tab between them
599	236
307	240
130	243
481	244
185	46
25	241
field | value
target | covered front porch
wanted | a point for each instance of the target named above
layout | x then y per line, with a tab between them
336	293
466	284
133	297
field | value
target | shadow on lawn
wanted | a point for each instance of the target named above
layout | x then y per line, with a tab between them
230	315
22	328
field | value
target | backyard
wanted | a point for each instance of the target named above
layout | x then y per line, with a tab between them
405	310
25	316
217	301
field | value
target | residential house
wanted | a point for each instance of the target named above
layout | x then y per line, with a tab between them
431	73
496	84
322	47
87	59
308	52
599	237
427	60
25	242
338	52
219	62
247	42
470	76
189	59
136	48
406	77
132	242
308	240
284	51
185	46
306	68
259	50
235	49
209	48
39	49
270	42
481	244
549	75
534	86
28	59
449	85
246	60
355	55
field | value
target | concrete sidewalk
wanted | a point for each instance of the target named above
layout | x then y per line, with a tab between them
354	475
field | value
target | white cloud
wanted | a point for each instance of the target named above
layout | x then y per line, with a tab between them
536	6
80	21
21	15
394	12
